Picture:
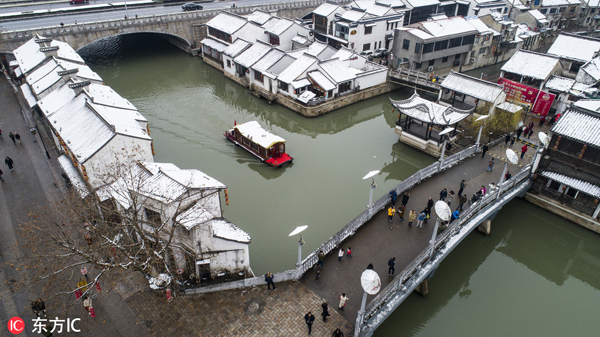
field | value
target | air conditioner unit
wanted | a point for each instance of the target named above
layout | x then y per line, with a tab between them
429	68
456	63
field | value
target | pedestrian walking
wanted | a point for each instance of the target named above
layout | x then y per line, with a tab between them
420	219
18	137
38	307
341	254
530	126
490	165
343	300
484	150
391	212
412	215
321	258
482	190
392	266
450	196
461	202
554	119
309	318
12	137
463	184
542	121
349	252
393	196
405	198
9	162
1	173
337	333
525	132
325	312
507	176
429	203
400	212
519	132
269	280
523	151
87	303
507	139
512	142
317	272
427	214
443	194
84	271
47	332
530	133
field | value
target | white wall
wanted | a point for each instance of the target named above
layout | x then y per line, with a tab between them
230	69
251	32
371	79
285	39
376	38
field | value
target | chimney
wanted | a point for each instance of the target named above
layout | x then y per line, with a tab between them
66	74
50	51
42	41
78	87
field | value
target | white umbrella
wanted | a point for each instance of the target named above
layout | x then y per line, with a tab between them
371	174
298	230
543	138
512	156
442	210
370	282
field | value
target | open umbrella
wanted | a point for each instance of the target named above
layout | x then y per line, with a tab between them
512	156
442	210
370	282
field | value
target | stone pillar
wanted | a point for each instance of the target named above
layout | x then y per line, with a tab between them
485	227
423	288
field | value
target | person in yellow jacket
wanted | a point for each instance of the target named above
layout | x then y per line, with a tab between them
411	217
391	212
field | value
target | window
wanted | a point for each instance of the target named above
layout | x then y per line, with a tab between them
283	86
341	31
572	10
536	2
228	64
368	30
431	62
505	10
455	42
405	44
418	65
346	86
418	48
427	48
552	10
441	45
444	59
468	40
477	39
544	10
219	34
366	46
258	76
482	50
563	9
593	10
153	217
457	57
274	40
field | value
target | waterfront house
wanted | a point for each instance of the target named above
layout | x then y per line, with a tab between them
484	47
574	51
531	68
281	31
323	18
569	173
465	92
534	19
560	14
227	27
486	7
241	64
186	206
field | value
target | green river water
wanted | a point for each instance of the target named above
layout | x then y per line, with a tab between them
535	275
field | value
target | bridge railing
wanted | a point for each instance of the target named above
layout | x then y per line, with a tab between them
399	283
380	204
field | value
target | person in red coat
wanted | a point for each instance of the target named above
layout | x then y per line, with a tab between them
523	150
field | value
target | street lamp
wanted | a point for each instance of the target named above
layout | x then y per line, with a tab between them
443	134
373	186
371	285
544	141
299	230
443	212
512	157
480	128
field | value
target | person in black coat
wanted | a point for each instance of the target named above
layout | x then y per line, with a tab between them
443	194
405	198
337	333
325	312
309	318
484	150
429	203
519	132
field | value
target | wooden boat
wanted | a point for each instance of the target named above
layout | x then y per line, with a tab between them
268	147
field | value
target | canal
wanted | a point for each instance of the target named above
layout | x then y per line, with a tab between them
536	274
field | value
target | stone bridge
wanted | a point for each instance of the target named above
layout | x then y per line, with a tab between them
185	30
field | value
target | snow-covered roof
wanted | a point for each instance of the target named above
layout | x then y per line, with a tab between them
316	48
448	27
277	26
589	104
292	72
393	3
552	3
353	15
31	100
418	33
300	39
258	135
472	86
74	176
306	96
45	82
236	47
123	121
224	229
301	83
531	64
481	27
580	126
194	179
105	95
42	71
268	60
259	16
214	44
251	55
321	80
575	48
338	71
537	15
559	83
344	54
56	99
422	3
510	107
430	112
227	22
325	9
84	72
194	216
592	68
577	184
29	55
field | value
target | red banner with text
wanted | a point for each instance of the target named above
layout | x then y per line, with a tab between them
539	102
